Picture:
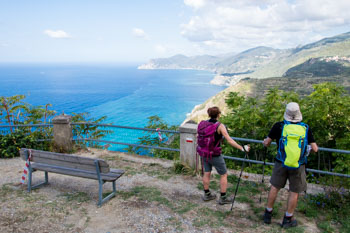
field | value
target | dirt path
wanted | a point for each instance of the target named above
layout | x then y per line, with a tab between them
151	198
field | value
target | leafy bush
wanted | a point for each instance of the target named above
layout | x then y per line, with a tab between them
326	110
10	144
151	138
87	131
332	206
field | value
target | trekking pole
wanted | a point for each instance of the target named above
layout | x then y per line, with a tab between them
239	179
263	171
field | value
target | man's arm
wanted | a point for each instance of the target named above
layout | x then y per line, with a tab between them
267	142
314	147
222	130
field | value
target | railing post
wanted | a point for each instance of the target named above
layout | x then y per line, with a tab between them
62	133
188	142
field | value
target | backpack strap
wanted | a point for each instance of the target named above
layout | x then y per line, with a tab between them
220	140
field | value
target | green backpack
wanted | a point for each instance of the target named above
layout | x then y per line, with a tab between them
293	144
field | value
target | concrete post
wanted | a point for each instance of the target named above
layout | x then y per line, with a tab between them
62	133
188	143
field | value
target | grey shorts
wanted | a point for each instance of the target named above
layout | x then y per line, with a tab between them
218	162
297	178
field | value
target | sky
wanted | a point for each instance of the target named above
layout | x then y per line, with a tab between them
134	31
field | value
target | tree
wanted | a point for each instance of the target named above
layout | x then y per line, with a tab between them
10	106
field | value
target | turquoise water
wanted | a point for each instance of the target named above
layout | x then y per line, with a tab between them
126	95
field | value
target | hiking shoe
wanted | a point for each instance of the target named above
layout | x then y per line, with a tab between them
208	196
267	216
224	200
289	222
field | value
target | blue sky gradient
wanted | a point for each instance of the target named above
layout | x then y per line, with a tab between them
134	31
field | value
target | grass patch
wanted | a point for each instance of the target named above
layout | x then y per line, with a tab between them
211	218
214	185
184	206
150	194
76	197
328	209
175	222
325	226
298	229
245	199
180	168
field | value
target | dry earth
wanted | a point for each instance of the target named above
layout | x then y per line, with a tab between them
151	198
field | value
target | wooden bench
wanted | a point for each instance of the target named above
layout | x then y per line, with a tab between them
71	165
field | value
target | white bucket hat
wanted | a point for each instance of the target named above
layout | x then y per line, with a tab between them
293	113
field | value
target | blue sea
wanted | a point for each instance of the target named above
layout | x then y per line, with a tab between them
126	95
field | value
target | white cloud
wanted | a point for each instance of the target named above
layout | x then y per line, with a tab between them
58	34
226	25
160	49
140	33
195	3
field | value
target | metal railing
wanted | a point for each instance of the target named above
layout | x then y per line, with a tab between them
272	164
32	127
128	136
128	139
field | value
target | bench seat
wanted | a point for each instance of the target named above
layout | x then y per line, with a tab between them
72	165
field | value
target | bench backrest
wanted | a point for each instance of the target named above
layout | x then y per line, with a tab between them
65	160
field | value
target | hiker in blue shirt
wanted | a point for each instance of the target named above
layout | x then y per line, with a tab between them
282	171
217	160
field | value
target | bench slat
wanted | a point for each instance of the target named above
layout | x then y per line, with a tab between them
111	176
66	160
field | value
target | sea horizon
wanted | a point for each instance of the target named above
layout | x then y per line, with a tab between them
125	94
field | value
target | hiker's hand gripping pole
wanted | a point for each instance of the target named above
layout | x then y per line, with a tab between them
239	179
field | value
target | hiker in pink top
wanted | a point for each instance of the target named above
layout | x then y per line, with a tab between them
210	136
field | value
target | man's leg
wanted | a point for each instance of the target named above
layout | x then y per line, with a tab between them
288	219
272	196
292	202
270	202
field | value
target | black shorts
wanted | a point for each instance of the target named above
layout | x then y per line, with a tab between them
218	162
296	177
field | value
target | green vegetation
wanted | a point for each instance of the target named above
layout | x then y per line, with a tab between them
151	138
81	132
318	68
326	110
14	111
330	209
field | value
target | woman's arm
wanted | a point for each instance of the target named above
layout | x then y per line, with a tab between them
222	130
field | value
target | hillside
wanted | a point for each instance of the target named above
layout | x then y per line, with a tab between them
259	62
321	67
259	87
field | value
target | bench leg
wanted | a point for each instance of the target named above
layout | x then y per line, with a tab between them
100	184
30	187
100	200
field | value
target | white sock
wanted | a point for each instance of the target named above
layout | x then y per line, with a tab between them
288	214
269	209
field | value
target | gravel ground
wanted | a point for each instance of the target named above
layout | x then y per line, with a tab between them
151	198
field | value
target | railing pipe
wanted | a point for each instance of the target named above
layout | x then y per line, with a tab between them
27	125
125	127
272	164
274	143
128	144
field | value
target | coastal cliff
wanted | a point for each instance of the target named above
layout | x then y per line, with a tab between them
199	112
259	62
